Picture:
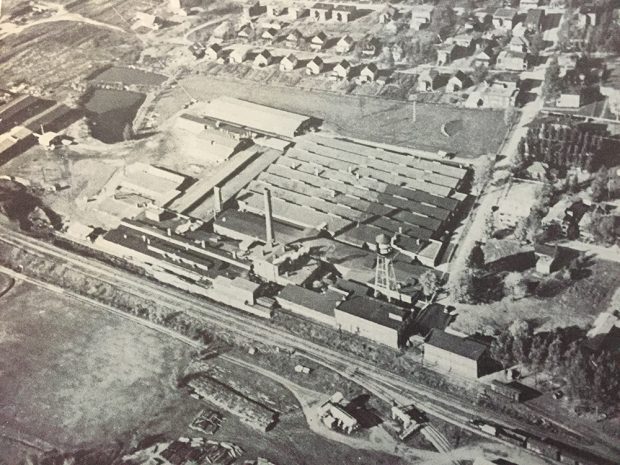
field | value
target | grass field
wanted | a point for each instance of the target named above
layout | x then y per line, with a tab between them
578	304
476	132
75	376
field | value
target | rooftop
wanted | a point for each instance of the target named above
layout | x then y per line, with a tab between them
372	310
319	302
251	115
464	347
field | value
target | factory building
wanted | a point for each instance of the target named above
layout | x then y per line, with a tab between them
447	352
258	119
371	318
309	304
356	192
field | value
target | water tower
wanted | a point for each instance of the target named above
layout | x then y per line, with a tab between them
385	277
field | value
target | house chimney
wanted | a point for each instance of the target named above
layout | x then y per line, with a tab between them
202	244
268	218
217	199
168	232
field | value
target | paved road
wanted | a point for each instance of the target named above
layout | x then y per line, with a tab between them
447	407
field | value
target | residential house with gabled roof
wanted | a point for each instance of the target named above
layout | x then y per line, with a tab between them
254	9
321	12
318	41
344	13
534	20
275	9
445	54
345	44
269	34
289	63
504	18
292	38
429	80
295	12
263	59
465	41
458	81
213	52
245	32
315	66
369	73
239	55
388	14
519	44
421	16
461	356
484	57
342	70
512	61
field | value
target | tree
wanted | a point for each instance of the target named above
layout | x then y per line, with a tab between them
502	349
489	225
429	283
599	184
554	360
515	286
463	289
552	85
475	260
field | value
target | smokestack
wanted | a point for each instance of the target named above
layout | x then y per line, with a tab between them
217	198
268	218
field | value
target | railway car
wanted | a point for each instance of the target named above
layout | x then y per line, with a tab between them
508	391
513	437
543	447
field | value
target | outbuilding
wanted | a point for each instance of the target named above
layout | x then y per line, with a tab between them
289	63
315	66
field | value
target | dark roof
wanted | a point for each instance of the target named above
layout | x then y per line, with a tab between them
464	347
534	16
319	302
460	75
317	60
341	7
431	317
576	211
505	13
345	64
253	225
323	6
372	310
371	67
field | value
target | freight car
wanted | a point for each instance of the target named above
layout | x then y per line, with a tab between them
543	447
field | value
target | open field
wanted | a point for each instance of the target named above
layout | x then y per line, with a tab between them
475	132
578	305
74	376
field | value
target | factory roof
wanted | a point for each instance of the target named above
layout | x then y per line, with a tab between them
464	347
259	117
319	302
373	310
253	226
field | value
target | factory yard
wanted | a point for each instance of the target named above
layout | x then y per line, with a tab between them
109	379
476	132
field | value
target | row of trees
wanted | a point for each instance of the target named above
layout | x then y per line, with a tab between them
563	146
588	377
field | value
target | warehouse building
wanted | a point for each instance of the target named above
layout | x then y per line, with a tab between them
310	304
355	192
447	352
372	319
258	119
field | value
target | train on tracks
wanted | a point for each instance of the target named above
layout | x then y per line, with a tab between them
546	447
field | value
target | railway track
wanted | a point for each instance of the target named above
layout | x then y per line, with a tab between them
442	405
